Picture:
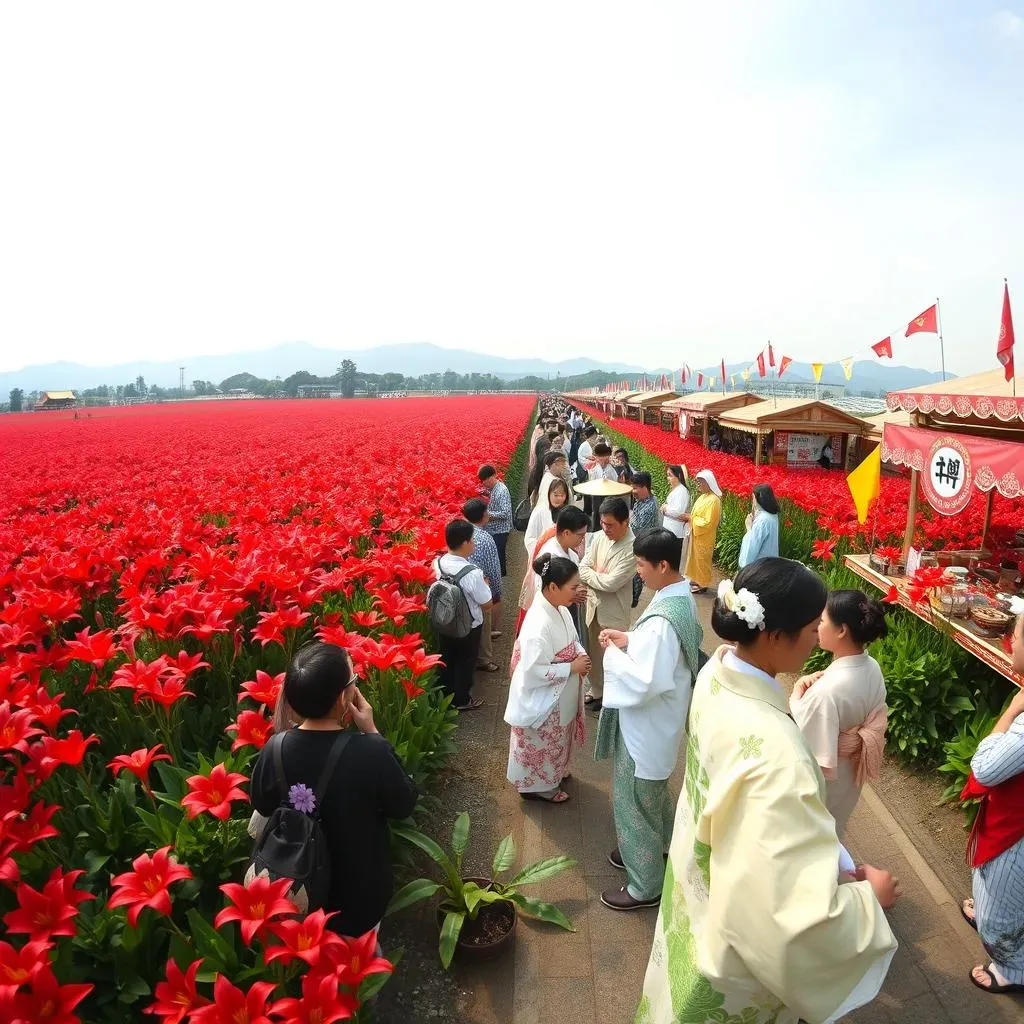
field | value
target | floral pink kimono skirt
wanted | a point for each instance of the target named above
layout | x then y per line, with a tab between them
538	758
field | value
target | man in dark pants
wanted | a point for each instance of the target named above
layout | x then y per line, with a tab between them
460	652
499	511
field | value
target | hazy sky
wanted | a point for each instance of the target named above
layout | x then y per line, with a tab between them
659	181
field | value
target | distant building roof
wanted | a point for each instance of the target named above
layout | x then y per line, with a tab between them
57	396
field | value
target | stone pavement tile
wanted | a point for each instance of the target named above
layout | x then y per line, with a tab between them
887	1009
567	1001
562	954
905	980
943	964
620	945
916	916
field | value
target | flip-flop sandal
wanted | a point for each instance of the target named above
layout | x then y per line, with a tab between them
996	988
488	667
963	913
559	797
475	702
698	590
590	699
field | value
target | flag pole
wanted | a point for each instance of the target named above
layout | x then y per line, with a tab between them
942	347
771	382
1013	376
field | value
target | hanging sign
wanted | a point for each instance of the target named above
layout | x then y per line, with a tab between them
946	479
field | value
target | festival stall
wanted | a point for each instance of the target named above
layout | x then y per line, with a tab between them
644	407
964	439
617	405
692	414
792	432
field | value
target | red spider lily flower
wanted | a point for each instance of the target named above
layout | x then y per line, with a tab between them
322	1002
70	750
16	728
367	620
33	828
166	692
412	691
41	915
233	1006
178	996
213	793
139	676
337	635
892	595
148	884
95	648
46	1001
48	710
139	762
251	729
823	549
256	904
186	663
1007	643
265	690
273	624
10	874
302	938
419	662
358	959
19	966
381	656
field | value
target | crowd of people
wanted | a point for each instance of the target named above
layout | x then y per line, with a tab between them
764	915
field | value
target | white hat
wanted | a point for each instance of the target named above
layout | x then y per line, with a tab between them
709	478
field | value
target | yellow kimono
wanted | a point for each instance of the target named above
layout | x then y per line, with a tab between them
707	510
754	926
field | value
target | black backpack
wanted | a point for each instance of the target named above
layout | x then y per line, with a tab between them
292	844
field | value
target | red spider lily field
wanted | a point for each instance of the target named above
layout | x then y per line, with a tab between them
158	567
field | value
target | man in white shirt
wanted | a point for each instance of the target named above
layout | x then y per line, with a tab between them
648	677
460	653
602	468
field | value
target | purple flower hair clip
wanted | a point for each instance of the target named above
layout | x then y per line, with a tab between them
302	798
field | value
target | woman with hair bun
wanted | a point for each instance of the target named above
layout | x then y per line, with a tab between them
842	711
762	537
545	699
763	914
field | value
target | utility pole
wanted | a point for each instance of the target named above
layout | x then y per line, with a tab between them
181	380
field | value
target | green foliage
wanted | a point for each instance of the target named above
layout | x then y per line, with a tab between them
516	470
462	899
925	691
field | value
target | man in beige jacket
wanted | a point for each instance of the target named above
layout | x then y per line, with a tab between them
607	572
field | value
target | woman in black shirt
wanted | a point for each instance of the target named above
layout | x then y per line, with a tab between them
368	785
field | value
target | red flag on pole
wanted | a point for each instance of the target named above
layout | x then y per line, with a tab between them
700	380
682	374
883	348
761	371
783	363
1004	347
771	355
723	374
926	323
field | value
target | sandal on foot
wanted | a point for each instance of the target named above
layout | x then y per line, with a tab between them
488	666
963	913
698	590
997	987
558	797
474	703
590	699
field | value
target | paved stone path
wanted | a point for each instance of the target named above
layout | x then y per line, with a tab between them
594	976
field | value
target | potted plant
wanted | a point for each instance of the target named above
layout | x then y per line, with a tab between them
477	915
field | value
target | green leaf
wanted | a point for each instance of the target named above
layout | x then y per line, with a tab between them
210	944
94	860
504	857
372	984
432	850
542	869
414	892
542	911
460	838
450	932
479	897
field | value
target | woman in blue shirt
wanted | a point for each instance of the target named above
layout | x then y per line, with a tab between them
762	537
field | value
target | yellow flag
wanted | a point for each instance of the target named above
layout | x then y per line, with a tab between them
711	383
817	368
864	483
732	380
745	374
847	365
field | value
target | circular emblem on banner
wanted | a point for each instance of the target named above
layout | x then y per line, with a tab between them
947	478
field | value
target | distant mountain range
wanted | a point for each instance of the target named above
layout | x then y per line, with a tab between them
412	360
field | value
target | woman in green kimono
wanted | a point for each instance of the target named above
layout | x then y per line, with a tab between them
764	919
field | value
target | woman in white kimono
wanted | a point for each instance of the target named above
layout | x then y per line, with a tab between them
762	537
996	847
545	700
764	919
676	506
551	499
842	711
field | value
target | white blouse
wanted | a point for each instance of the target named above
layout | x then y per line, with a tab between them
678	503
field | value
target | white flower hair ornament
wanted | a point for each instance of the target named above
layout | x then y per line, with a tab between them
744	604
1017	605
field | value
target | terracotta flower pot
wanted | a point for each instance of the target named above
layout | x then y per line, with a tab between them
491	934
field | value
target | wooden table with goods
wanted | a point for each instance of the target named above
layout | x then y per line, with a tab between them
985	645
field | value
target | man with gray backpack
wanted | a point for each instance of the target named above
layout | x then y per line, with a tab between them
455	604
